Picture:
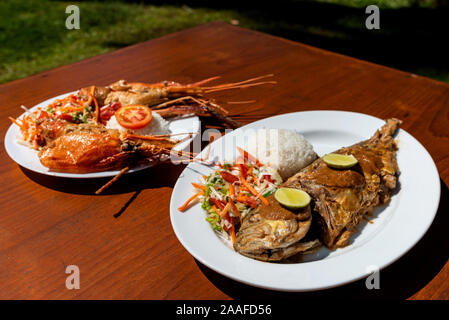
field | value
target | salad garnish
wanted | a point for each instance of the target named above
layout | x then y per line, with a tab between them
232	191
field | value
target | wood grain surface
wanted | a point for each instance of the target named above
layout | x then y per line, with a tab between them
123	241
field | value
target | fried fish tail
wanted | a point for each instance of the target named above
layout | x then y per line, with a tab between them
343	196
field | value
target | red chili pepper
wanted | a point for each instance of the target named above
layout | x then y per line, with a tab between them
107	111
43	114
228	177
64	116
267	177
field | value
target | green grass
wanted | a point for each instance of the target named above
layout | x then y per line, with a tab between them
33	36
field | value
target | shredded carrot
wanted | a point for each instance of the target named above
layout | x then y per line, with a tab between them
186	204
16	122
71	109
215	209
247	155
253	191
254	177
237	212
225	210
231	190
250	172
198	186
243	170
233	234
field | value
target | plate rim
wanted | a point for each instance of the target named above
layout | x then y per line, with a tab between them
89	175
433	209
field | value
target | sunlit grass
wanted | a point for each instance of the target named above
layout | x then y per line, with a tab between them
33	36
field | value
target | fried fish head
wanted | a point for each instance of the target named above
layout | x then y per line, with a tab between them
273	233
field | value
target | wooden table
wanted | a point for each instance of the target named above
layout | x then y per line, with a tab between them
123	242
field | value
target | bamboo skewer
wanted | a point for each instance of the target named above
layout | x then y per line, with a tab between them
110	182
241	102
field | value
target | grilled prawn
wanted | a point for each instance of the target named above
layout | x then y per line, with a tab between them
88	148
155	94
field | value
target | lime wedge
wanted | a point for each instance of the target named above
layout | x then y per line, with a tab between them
340	161
292	198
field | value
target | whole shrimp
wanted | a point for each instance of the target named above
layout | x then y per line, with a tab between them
153	95
89	148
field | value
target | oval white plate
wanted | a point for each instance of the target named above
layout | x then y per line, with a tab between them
394	230
28	158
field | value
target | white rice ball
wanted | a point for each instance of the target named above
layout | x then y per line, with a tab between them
287	151
158	125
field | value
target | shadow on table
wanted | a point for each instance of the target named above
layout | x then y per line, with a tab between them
163	175
400	280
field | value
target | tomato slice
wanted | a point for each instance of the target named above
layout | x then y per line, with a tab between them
133	116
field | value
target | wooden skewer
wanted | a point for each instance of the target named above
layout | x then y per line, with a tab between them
110	182
241	102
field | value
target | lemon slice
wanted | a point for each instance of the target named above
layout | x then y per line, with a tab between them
292	198
340	161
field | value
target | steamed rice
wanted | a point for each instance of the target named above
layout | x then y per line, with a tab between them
158	125
287	151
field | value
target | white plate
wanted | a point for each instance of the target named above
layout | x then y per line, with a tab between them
27	157
396	227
